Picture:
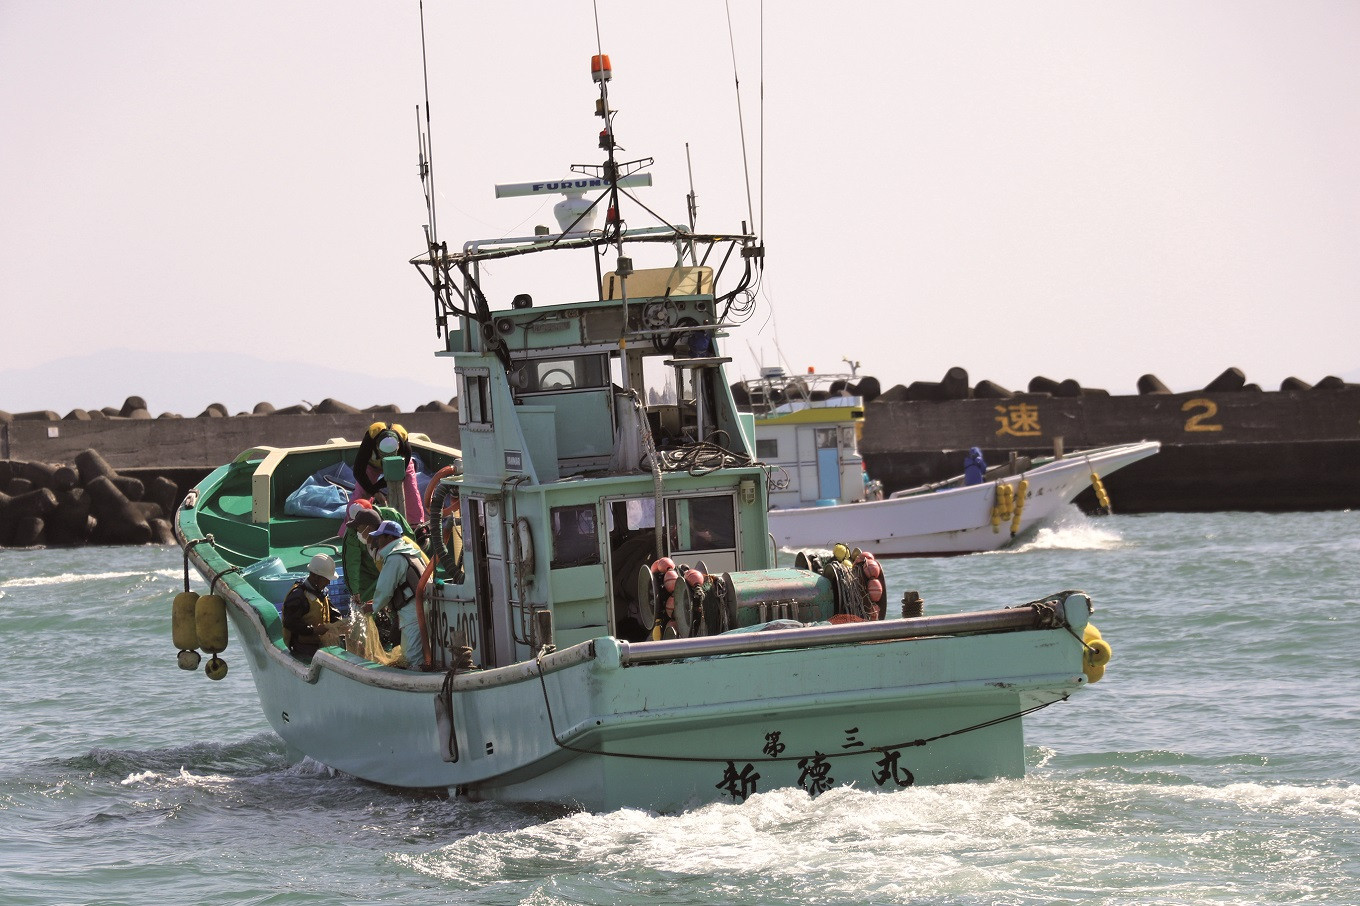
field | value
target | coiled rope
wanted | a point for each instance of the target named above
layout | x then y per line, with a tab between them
701	458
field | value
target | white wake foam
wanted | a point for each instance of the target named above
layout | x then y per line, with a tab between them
70	578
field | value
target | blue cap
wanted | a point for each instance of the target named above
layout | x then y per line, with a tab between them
387	527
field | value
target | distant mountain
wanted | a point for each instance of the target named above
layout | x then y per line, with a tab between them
186	383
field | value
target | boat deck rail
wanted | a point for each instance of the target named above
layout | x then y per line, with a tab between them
1036	615
513	246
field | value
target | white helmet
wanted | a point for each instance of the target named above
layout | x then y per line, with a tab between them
322	565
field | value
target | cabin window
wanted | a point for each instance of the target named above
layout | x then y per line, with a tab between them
475	404
575	536
826	438
631	515
702	523
767	448
554	375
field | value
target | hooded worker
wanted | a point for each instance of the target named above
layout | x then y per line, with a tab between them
974	467
381	440
361	570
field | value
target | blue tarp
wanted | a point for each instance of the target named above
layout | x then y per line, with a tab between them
324	493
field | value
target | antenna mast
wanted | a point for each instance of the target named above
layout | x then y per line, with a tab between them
691	199
741	121
426	145
438	278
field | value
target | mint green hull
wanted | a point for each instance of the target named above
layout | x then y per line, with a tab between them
836	716
594	727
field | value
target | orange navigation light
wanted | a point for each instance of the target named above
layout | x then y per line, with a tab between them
599	68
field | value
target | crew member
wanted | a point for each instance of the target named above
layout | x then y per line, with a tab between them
308	621
974	467
401	564
361	571
383	439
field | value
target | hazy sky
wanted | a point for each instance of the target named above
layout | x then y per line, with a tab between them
1074	189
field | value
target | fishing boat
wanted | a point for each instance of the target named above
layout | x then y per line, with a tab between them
604	622
808	427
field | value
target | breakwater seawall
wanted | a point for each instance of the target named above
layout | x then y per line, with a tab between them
1228	446
116	477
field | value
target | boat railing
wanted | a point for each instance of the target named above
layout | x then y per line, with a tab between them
772	396
1039	615
511	246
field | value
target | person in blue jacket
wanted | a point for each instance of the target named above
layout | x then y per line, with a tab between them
974	467
401	564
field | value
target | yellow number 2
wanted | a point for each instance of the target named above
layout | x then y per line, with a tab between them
1196	422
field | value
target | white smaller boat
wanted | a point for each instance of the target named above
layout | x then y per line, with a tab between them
807	428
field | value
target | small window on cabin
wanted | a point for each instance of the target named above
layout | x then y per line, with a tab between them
826	438
575	536
688	390
767	448
702	523
632	515
475	406
577	372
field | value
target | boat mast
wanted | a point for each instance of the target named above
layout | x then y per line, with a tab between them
692	203
438	278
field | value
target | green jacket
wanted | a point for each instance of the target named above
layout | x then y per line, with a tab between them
361	573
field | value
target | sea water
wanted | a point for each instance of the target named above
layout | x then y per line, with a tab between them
1217	762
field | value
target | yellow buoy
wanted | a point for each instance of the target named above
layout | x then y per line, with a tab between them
182	621
1021	490
1098	486
1098	653
839	551
210	620
1095	655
